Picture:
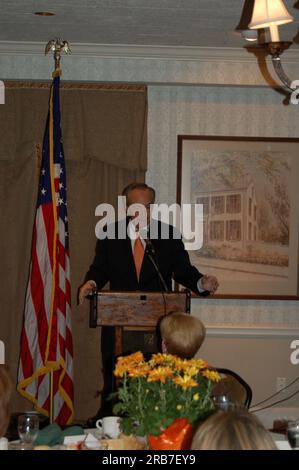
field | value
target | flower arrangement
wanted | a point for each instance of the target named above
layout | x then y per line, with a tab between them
152	394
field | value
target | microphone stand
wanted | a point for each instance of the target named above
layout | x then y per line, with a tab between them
150	250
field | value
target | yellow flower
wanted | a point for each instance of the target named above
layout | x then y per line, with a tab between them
159	374
182	364
178	363
191	370
211	375
190	367
185	382
199	363
166	387
165	359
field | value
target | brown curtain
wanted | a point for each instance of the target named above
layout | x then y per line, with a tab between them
104	130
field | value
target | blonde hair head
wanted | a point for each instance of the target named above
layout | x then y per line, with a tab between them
232	430
182	334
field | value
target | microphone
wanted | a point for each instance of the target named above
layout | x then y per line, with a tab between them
149	246
150	250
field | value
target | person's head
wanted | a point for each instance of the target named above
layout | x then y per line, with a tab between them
140	193
181	334
232	430
5	392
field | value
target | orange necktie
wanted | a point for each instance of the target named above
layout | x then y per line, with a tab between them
138	254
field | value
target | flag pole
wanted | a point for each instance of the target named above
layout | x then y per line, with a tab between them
49	345
57	46
51	398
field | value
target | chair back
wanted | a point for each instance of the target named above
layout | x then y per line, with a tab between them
233	387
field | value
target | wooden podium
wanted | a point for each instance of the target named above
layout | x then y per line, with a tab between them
134	310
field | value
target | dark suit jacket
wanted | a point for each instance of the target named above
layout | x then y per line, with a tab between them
114	262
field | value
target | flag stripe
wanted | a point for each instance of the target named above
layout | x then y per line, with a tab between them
42	253
26	359
37	296
32	337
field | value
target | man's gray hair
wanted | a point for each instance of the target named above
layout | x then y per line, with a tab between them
142	186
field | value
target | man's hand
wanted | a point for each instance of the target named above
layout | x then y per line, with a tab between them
209	283
85	290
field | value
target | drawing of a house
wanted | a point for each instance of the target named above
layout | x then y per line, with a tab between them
229	215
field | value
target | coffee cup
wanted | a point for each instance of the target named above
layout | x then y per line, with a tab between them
109	426
293	434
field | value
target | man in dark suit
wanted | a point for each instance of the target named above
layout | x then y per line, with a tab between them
116	262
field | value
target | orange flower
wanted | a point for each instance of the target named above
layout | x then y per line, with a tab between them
136	357
127	363
120	370
139	371
160	374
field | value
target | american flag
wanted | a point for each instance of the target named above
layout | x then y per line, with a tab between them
46	357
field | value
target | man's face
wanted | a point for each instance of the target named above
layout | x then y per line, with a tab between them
143	197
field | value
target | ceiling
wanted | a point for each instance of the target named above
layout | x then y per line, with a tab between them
209	23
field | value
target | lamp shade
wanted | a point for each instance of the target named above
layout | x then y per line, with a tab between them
269	12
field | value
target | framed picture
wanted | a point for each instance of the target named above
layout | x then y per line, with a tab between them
249	191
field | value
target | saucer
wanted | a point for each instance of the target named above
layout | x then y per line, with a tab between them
18	445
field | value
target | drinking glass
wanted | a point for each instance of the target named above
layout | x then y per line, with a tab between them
222	402
293	434
28	426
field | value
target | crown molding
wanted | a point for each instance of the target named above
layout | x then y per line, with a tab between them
194	53
252	331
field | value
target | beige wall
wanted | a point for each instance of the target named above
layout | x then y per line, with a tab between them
258	360
252	338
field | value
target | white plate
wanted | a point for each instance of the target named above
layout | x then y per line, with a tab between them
281	441
95	432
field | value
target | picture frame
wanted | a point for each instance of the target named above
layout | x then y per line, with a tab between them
248	189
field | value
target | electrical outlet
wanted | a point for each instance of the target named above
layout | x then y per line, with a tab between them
280	383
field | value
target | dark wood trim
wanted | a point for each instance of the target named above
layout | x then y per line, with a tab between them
70	85
179	169
237	139
247	297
